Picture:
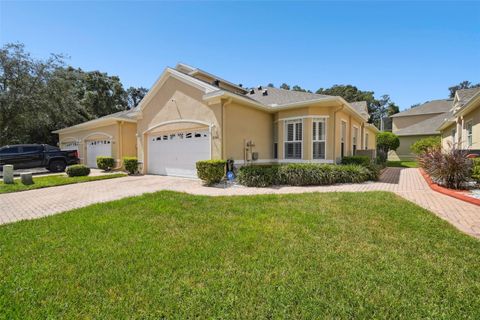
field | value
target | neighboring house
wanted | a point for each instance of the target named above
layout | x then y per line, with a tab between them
417	123
112	135
462	126
190	115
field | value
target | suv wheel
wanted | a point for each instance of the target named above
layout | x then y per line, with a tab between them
57	166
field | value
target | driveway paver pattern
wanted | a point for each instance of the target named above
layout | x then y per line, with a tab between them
406	182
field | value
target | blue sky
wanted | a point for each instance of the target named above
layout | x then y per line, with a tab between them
411	50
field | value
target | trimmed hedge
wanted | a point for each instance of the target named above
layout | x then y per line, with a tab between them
131	164
426	144
105	163
476	169
211	171
305	174
259	176
77	170
359	160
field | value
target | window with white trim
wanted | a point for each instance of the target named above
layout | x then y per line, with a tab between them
318	138
469	133
354	139
293	139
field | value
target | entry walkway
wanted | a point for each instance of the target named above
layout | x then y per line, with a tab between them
406	182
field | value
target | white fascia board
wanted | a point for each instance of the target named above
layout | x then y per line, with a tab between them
169	72
86	125
309	102
95	122
223	93
445	124
371	126
469	106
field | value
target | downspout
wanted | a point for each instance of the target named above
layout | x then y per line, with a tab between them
224	120
335	132
120	145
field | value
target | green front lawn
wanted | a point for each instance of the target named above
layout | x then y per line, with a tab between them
51	181
403	164
172	255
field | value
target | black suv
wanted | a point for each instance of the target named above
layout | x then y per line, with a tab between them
23	156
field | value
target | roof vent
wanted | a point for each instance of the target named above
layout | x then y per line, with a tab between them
252	91
259	88
265	92
240	85
216	82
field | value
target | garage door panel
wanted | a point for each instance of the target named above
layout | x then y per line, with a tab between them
176	154
99	148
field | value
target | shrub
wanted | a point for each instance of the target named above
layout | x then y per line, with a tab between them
359	160
426	144
386	141
258	176
451	169
78	170
131	164
305	174
351	174
374	171
211	171
476	169
105	163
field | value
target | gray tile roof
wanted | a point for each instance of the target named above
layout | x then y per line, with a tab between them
464	95
430	107
360	106
276	96
127	115
426	127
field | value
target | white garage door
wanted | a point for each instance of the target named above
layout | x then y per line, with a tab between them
175	154
98	148
67	146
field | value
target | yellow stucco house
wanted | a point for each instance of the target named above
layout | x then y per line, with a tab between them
190	115
461	128
417	123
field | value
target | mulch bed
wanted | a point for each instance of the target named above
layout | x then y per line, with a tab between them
449	192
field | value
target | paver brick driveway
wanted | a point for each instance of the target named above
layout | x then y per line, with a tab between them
406	182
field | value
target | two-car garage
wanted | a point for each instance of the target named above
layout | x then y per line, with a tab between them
176	153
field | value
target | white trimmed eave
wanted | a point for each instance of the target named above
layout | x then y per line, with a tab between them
93	124
217	95
371	126
169	72
445	124
473	103
225	94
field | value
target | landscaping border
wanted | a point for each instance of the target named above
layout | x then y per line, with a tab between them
446	191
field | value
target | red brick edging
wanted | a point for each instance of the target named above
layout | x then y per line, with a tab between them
446	191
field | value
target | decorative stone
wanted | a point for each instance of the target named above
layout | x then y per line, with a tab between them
8	174
26	178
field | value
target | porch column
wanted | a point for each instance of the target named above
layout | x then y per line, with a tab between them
307	139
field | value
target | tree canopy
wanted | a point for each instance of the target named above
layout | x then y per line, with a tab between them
39	96
377	108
